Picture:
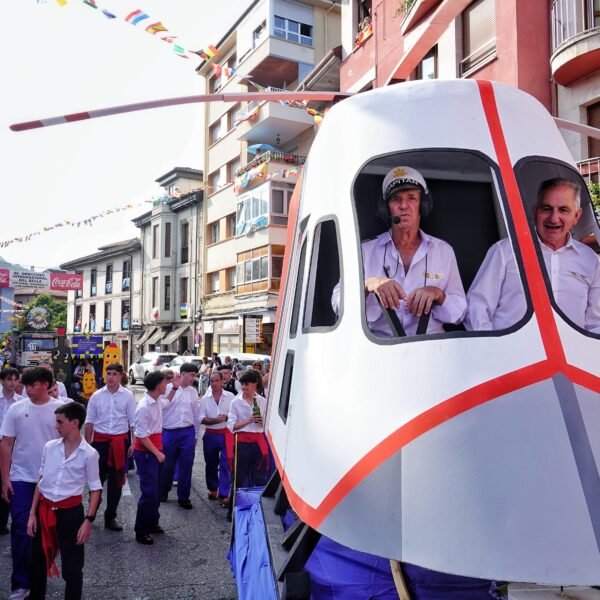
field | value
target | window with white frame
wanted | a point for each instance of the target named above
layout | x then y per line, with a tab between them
255	269
214	132
214	232
252	211
215	181
213	280
232	277
280	201
293	31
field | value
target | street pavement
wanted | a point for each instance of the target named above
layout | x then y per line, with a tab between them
188	561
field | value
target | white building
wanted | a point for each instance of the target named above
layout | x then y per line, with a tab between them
170	235
110	302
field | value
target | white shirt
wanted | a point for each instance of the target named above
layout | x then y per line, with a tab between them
434	264
148	417
5	404
62	390
240	410
65	477
32	425
496	298
209	408
182	410
111	413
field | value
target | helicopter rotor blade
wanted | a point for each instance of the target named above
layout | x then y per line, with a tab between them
151	104
592	132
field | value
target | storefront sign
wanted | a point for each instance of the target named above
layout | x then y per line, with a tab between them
253	330
83	345
4	278
23	279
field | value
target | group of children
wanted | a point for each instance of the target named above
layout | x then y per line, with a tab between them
46	462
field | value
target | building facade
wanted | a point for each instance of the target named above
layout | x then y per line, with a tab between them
254	153
171	237
110	302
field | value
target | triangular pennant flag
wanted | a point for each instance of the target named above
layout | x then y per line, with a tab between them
61	2
156	28
91	3
108	14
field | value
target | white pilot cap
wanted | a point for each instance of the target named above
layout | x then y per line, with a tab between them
402	178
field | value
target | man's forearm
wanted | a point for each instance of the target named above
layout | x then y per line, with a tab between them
89	431
94	502
5	457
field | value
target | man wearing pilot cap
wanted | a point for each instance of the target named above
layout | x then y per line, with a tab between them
410	271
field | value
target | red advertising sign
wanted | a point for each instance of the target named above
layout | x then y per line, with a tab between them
4	278
66	281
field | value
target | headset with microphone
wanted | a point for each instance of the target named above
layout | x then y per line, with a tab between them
403	178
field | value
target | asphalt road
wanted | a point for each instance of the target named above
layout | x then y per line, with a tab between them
188	561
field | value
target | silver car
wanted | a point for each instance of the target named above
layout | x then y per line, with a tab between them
150	362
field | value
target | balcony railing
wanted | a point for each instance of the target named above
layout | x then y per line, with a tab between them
590	169
570	18
270	156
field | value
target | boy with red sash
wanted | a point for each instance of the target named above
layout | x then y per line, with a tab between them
147	451
27	426
56	521
245	420
110	417
217	442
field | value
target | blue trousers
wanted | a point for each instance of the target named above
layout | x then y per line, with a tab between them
148	469
251	468
217	469
178	447
20	505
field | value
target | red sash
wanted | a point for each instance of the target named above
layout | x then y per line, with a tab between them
257	438
155	438
228	442
116	451
47	516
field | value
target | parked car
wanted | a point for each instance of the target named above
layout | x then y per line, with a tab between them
151	361
175	364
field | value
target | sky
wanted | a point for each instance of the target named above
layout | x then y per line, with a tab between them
57	60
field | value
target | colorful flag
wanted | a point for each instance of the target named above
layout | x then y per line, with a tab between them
216	69
155	28
169	38
206	53
108	14
61	2
229	72
91	3
136	16
178	49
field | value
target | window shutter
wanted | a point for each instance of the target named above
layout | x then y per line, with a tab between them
301	13
479	32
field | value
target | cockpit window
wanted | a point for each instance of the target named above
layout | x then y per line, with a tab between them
564	228
451	251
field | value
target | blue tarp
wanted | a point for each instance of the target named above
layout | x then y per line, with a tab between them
336	572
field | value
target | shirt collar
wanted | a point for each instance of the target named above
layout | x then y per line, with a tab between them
570	244
386	238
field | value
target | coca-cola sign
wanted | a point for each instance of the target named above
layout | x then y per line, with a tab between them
66	281
4	278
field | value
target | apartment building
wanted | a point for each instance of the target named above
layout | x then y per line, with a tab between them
170	238
110	302
254	154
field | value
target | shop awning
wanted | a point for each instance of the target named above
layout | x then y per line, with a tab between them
174	335
156	336
147	333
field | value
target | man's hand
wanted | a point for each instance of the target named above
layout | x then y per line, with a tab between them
130	451
389	291
221	418
422	299
7	490
176	380
31	526
160	457
83	535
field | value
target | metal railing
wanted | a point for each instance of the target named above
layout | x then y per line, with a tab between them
271	156
590	169
570	18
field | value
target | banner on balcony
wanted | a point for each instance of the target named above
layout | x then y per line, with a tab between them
249	116
252	177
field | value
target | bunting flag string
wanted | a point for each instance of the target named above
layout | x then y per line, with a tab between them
139	16
9	301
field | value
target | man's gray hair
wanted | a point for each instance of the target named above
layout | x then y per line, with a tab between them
550	184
